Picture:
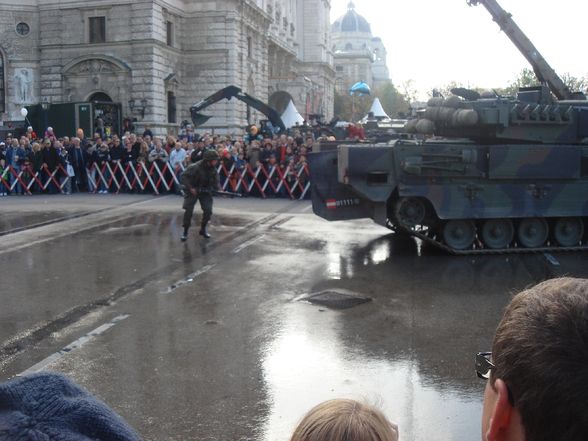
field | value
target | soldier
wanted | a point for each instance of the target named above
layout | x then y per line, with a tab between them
200	180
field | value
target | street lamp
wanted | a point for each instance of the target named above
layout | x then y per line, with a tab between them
45	104
138	106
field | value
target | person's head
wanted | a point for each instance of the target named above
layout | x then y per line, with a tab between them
345	420
211	156
80	133
178	145
538	385
76	142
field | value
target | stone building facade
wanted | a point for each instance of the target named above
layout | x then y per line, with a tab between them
358	55
158	57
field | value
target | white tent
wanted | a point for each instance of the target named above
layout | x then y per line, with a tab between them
291	116
378	110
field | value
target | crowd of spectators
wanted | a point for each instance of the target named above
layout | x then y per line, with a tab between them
52	163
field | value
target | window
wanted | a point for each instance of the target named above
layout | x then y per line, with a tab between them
171	108
249	47
23	29
97	28
2	102
170	33
339	68
348	47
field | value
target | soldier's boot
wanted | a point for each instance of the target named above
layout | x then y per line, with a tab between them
184	236
203	231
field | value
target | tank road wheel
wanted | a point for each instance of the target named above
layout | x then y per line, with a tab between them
532	232
497	233
459	234
568	231
410	211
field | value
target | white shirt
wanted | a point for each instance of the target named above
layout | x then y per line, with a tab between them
176	157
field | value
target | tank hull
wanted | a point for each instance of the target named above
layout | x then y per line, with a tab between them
456	190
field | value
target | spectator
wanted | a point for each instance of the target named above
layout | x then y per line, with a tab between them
537	376
50	164
169	144
101	159
147	132
197	153
48	406
144	150
3	177
68	173
91	166
49	134
176	162
345	420
78	161
135	142
253	154
31	135
177	156
36	165
158	155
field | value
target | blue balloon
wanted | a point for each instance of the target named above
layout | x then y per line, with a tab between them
360	88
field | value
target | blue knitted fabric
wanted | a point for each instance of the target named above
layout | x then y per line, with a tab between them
49	407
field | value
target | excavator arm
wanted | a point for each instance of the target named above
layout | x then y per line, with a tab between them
234	92
543	71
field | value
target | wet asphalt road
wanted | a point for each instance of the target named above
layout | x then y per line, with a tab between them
216	340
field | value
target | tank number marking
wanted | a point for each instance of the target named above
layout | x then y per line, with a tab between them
333	204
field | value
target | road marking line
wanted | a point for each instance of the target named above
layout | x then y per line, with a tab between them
74	345
248	243
189	278
551	259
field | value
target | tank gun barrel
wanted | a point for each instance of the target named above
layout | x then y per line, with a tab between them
542	69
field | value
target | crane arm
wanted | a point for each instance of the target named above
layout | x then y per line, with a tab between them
543	71
234	92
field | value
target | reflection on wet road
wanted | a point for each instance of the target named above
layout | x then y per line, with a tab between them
237	337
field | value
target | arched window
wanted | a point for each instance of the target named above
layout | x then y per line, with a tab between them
2	86
348	47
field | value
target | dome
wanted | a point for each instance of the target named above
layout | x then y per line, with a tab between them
351	22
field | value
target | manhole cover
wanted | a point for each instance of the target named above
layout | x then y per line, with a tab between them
336	299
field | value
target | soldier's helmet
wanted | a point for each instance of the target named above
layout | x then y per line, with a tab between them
211	155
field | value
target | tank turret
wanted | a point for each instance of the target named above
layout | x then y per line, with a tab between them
530	117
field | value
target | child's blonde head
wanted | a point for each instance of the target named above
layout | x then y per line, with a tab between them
345	420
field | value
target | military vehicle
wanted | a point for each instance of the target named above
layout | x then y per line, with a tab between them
490	174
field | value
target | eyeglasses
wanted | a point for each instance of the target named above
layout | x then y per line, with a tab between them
483	368
484	365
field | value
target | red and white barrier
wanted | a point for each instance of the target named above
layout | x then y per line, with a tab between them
292	182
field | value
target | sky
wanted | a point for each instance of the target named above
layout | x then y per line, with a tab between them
435	42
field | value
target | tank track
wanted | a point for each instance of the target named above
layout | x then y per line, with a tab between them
427	236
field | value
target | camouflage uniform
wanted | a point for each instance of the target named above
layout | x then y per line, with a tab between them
203	177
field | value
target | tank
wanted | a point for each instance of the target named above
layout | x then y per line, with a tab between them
484	174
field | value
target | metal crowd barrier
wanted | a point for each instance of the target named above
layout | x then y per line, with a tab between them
137	176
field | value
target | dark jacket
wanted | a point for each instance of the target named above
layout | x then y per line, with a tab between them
201	176
51	157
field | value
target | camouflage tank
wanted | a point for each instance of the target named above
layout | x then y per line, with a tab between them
489	174
485	174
